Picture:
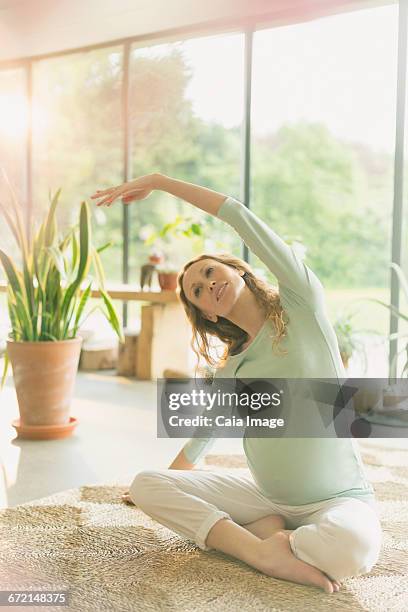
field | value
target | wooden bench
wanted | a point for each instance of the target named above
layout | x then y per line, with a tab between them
165	333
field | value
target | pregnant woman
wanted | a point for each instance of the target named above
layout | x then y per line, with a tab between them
308	513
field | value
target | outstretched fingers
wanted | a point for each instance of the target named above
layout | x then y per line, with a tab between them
110	195
101	192
109	199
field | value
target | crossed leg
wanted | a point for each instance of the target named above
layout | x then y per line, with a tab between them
277	558
265	527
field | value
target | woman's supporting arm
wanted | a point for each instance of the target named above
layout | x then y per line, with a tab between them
206	199
180	462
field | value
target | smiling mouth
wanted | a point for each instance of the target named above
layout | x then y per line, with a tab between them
221	291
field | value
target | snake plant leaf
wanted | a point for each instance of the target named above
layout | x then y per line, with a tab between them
44	296
50	225
15	323
75	250
18	217
5	369
52	303
58	260
97	307
10	222
11	273
19	290
84	241
24	316
63	245
18	294
104	246
84	257
41	263
50	337
28	281
100	275
81	306
111	315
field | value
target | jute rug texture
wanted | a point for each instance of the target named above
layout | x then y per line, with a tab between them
111	556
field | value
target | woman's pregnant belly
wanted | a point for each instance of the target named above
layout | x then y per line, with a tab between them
298	471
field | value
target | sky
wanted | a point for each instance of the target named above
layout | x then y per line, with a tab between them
339	70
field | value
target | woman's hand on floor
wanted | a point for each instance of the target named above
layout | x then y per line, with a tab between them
137	189
126	499
181	463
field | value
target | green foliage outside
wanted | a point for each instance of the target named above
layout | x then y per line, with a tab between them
335	196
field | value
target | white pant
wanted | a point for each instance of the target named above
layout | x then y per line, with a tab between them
340	536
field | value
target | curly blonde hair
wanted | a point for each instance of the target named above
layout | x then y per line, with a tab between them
230	334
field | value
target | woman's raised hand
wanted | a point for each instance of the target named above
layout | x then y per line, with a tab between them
137	189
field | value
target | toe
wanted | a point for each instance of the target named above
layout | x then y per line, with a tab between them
320	580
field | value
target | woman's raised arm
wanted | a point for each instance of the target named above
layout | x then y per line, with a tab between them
138	189
201	197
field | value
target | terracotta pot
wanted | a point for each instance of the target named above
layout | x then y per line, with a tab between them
44	376
155	259
44	432
168	281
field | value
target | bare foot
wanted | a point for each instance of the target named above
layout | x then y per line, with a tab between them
276	559
126	498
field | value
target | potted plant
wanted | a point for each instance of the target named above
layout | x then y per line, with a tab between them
349	341
46	301
395	393
167	276
167	238
155	258
403	283
348	338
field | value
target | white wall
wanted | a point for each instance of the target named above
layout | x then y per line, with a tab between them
37	27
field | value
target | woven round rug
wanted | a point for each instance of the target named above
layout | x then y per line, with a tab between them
111	556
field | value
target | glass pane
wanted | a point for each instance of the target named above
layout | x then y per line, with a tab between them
323	122
78	141
402	359
186	121
13	138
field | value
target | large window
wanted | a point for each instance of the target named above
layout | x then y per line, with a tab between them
13	133
323	120
186	122
78	139
322	147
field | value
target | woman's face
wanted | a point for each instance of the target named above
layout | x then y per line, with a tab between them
213	287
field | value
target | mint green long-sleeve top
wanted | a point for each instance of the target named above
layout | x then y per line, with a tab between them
292	471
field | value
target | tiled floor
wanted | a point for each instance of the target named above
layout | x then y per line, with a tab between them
115	438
